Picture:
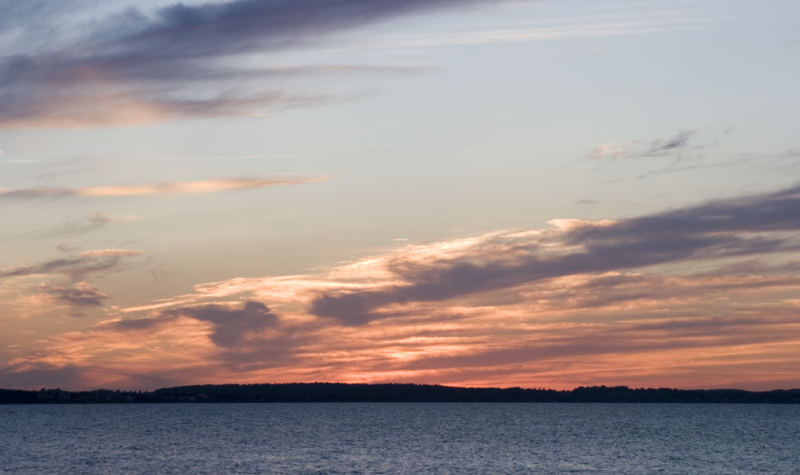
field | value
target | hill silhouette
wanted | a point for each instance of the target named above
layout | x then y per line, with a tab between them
341	392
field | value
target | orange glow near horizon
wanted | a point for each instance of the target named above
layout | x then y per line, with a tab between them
614	328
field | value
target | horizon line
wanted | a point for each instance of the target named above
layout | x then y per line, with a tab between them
525	388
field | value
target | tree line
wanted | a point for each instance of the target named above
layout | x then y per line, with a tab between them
340	392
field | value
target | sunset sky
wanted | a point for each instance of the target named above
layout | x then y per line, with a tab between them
463	192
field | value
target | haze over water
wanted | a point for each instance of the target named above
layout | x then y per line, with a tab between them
400	438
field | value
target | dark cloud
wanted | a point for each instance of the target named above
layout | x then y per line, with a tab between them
231	325
81	294
141	66
248	337
74	271
719	229
670	145
767	212
74	267
213	29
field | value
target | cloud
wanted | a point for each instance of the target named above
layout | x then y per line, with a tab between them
75	228
583	27
81	294
607	150
215	29
625	339
82	109
714	230
174	61
717	219
75	267
33	13
186	187
231	325
659	147
663	146
42	287
66	247
703	295
70	227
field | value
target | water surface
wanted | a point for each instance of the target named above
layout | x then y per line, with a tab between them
400	437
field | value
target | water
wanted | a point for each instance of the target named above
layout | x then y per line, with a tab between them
405	438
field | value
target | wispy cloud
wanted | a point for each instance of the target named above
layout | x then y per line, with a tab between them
547	31
45	288
71	227
143	66
77	228
81	294
659	147
186	187
34	13
75	267
84	109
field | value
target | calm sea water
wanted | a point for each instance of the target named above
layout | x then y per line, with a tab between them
406	438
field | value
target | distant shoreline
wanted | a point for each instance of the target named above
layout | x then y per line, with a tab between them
341	392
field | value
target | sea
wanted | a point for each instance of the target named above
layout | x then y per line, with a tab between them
400	438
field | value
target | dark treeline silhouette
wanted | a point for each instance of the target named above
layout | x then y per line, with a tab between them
339	392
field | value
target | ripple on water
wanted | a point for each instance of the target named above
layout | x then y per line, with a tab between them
406	438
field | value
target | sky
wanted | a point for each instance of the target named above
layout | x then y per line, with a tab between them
464	192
